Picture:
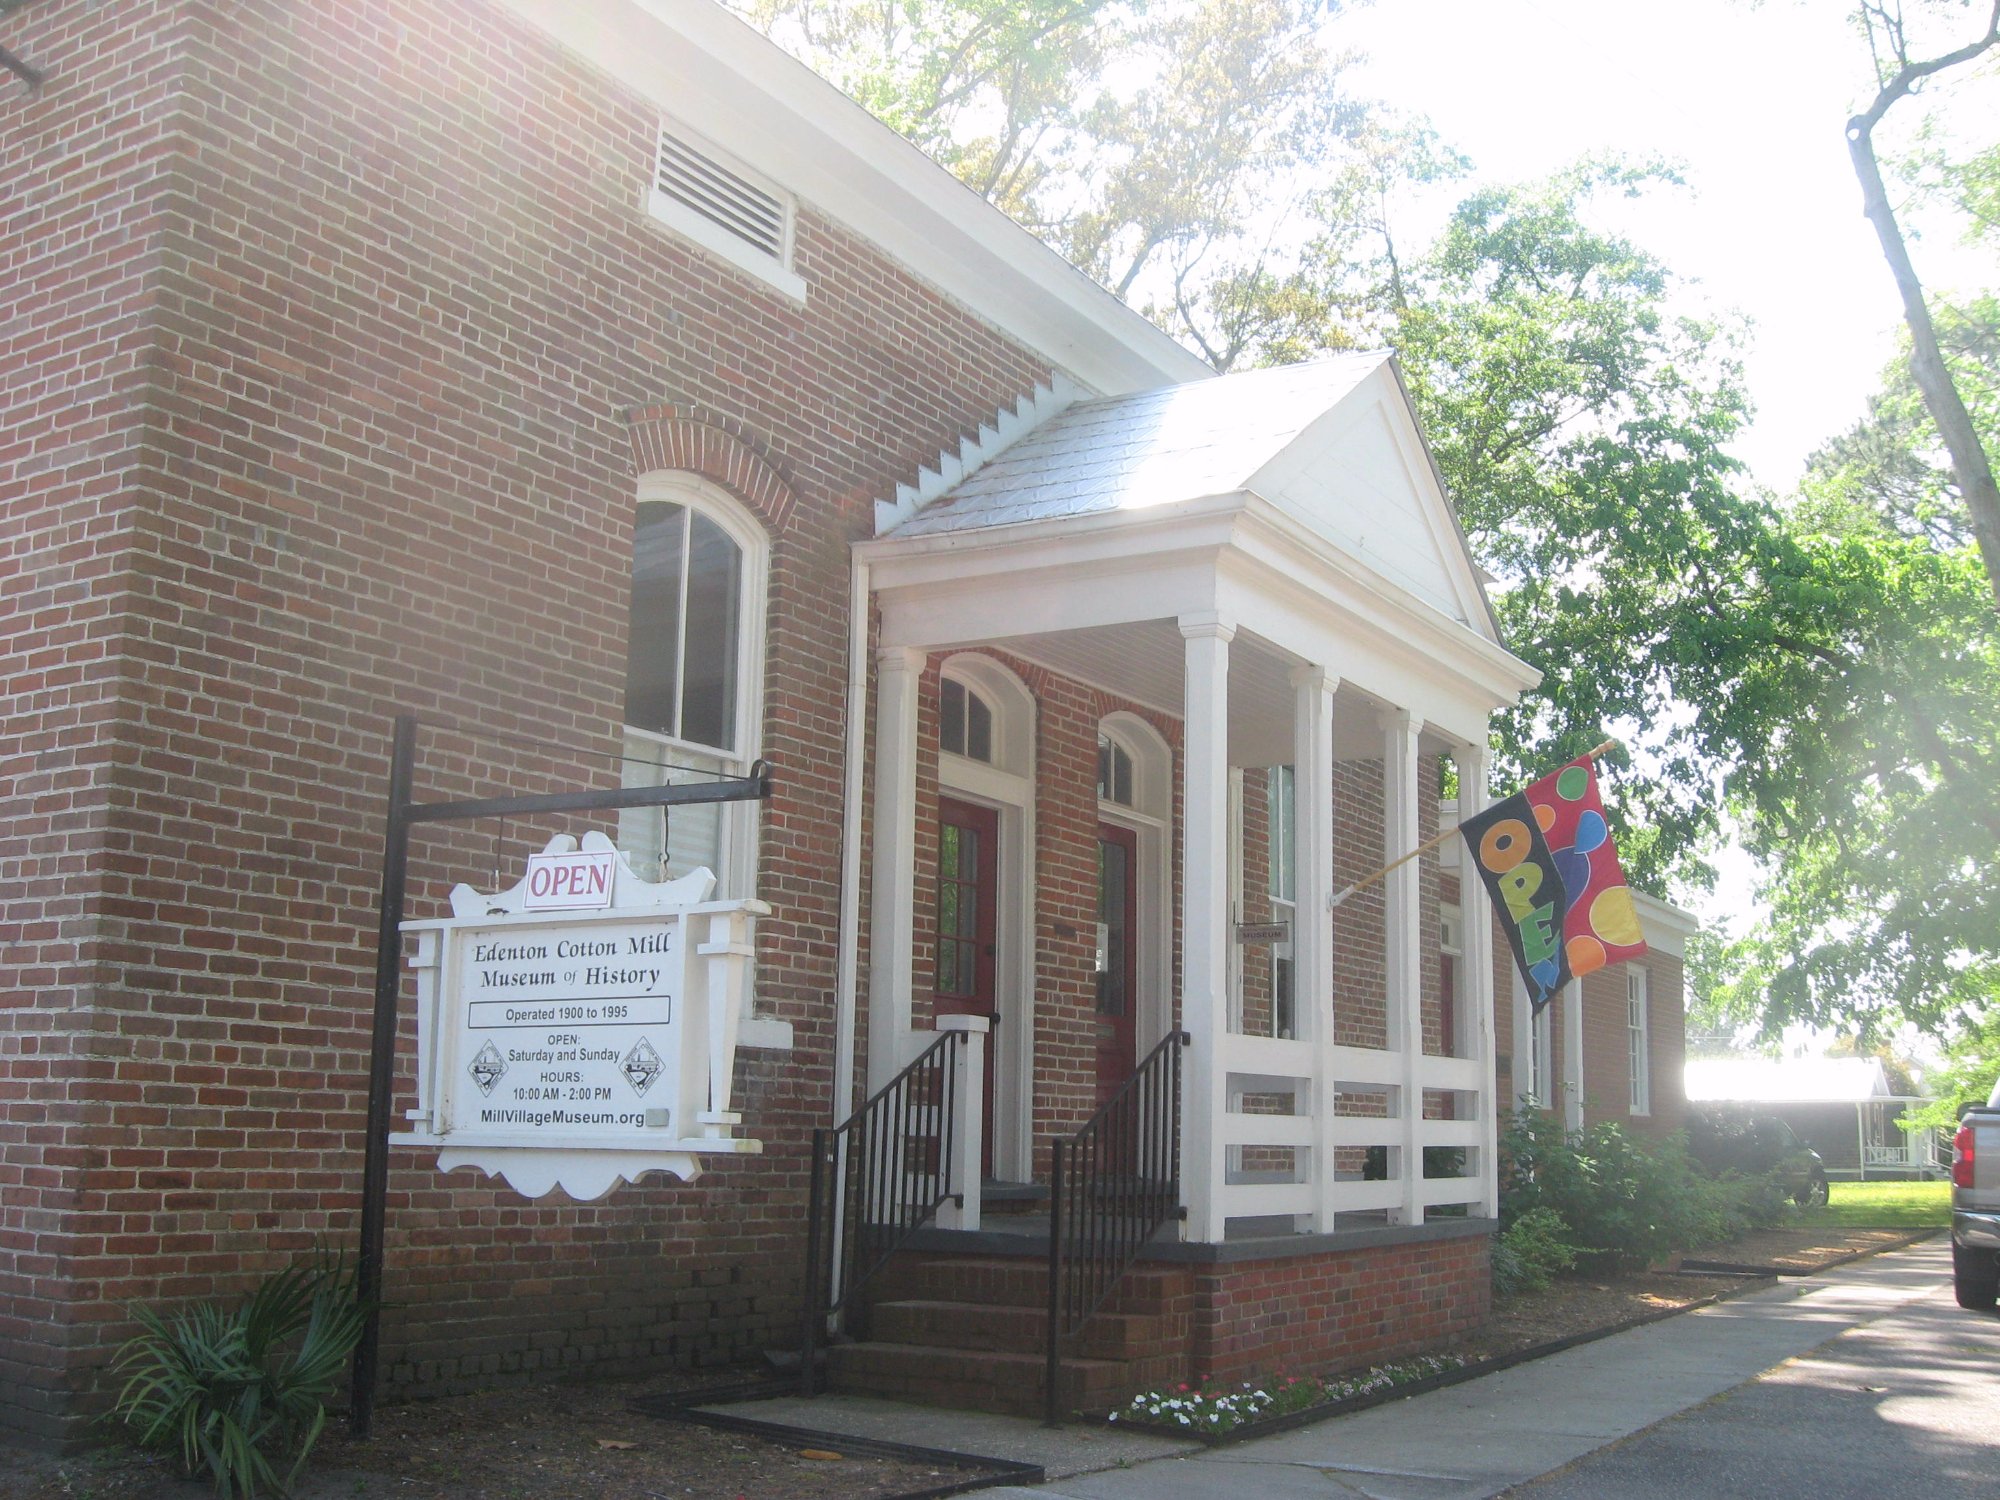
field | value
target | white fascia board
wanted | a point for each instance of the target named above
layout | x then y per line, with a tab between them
718	76
1296	554
1080	573
1235	552
1666	927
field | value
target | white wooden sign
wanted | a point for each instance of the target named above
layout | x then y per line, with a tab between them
578	1048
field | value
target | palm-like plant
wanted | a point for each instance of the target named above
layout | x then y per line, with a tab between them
237	1392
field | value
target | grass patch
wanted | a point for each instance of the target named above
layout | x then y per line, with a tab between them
1884	1205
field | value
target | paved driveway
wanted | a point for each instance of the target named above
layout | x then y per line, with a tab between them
1908	1405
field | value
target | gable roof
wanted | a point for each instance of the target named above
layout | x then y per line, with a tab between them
1332	442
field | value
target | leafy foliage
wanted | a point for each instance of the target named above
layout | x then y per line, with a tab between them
1531	1252
235	1393
1816	673
1622	1199
1156	145
1972	1063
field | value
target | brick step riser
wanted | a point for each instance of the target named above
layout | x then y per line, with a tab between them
988	1382
1022	1284
1023	1330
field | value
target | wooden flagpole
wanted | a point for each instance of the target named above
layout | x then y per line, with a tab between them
1435	839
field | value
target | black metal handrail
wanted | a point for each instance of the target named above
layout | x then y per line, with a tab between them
877	1180
1111	1186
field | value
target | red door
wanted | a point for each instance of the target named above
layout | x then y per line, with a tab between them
1117	956
966	928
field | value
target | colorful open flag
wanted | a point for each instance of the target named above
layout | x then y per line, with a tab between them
1546	857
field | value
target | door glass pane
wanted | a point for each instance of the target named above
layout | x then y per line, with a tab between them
951	716
1113	881
978	728
653	649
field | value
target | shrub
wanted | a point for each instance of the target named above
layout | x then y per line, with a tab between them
1623	1199
1531	1252
237	1392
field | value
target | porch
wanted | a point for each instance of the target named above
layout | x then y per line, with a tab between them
1315	678
1193	664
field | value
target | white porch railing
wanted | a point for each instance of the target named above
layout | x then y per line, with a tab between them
1314	1167
1918	1154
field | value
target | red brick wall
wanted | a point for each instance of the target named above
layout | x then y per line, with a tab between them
329	336
1606	1062
1067	714
86	190
1324	1313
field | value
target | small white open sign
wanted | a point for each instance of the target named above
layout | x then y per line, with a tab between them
569	882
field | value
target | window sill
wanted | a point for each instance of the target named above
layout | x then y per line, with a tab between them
765	1032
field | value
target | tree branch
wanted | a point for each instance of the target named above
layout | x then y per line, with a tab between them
1970	464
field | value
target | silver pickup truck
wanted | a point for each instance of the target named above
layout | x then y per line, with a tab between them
1975	1205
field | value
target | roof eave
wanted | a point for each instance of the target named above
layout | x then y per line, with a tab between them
717	75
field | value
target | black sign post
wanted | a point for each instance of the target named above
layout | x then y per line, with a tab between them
402	815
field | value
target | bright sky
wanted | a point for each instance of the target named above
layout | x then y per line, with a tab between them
1752	101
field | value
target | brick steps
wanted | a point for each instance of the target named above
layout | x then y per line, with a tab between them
987	1380
968	1331
1019	1330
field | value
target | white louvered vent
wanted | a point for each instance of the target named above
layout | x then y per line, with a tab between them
698	191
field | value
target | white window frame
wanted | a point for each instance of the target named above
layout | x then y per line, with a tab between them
1541	1059
1451	944
1638	1047
1281	804
1150	816
739	836
1006	784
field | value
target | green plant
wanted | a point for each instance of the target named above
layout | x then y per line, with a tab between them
236	1392
1531	1252
1624	1199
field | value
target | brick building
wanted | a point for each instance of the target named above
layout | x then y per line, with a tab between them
591	381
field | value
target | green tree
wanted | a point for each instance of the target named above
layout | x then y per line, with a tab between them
1898	75
1164	146
1826	671
987	87
1972	1063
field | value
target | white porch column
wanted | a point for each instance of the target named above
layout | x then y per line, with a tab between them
1403	785
1572	1003
892	935
1205	922
1312	942
1476	958
968	1093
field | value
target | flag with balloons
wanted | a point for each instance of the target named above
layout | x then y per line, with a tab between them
1546	858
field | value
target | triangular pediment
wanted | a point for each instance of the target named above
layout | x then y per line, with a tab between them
1332	443
1361	476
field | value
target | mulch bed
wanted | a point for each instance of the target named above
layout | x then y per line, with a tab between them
584	1439
529	1443
1800	1252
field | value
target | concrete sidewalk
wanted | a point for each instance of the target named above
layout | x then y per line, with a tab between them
1470	1440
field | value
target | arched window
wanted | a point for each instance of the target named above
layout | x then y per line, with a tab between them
1114	772
965	721
693	675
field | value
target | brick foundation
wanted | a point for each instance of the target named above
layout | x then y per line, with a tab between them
1332	1310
